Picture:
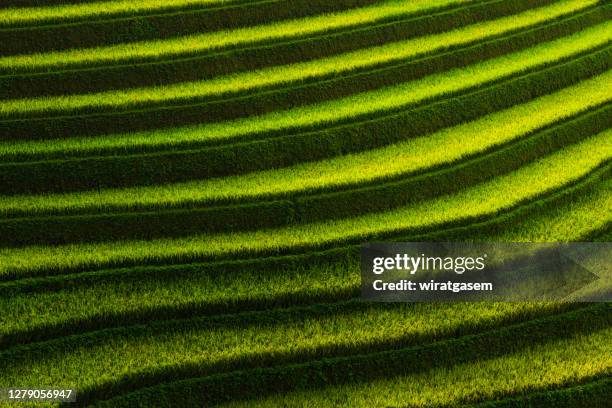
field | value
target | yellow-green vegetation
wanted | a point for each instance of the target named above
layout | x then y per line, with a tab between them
241	287
217	40
441	148
540	367
528	183
19	15
351	106
192	238
205	344
331	111
304	71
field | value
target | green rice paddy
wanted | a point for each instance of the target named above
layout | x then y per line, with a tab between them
218	40
307	70
190	236
16	15
441	148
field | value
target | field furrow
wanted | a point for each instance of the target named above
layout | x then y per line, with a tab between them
594	393
101	21
420	155
72	304
498	376
370	103
405	60
301	208
383	14
471	204
275	151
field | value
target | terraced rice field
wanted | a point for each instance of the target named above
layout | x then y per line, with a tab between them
185	186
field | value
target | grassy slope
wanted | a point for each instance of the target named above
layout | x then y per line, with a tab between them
48	30
150	344
280	150
216	40
236	385
368	103
31	15
545	366
395	96
302	209
299	72
210	65
415	155
108	15
232	330
216	340
561	214
488	198
48	306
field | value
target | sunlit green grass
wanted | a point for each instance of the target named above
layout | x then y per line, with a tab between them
296	72
209	41
58	13
335	110
89	362
540	367
203	288
486	199
443	147
199	289
69	319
